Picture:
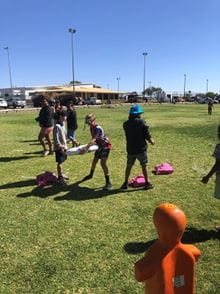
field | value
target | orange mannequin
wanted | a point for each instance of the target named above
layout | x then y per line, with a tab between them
168	265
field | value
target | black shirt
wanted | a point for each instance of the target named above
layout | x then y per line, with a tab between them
136	132
46	117
71	119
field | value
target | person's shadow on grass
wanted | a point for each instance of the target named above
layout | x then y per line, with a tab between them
79	193
191	235
29	141
34	152
22	157
73	192
20	184
42	192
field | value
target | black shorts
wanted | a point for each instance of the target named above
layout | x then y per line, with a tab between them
60	156
102	153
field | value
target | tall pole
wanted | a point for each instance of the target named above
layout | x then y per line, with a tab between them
144	54
207	86
118	79
9	69
150	88
72	31
184	86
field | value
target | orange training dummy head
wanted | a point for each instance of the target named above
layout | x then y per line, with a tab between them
170	222
168	265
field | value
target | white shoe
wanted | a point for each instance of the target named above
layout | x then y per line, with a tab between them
45	153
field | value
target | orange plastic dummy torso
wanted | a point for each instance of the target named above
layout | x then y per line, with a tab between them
168	265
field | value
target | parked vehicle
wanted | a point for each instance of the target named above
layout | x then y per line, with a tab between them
16	102
92	101
201	100
3	103
131	98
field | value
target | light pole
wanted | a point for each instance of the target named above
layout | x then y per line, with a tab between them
207	86
72	31
144	54
184	86
9	69
118	79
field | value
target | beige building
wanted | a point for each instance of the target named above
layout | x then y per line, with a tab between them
83	91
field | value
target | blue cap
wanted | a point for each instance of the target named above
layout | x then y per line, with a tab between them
136	109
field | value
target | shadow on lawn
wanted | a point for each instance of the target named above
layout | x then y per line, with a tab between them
74	192
22	157
191	235
34	152
29	141
20	184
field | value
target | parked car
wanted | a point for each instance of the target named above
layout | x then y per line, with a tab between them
201	100
16	102
92	101
3	103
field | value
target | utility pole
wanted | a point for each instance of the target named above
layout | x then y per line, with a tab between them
9	69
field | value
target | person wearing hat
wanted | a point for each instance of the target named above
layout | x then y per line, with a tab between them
137	135
104	146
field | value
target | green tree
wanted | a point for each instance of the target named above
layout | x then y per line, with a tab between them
210	94
149	91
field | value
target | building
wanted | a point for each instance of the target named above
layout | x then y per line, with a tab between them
83	91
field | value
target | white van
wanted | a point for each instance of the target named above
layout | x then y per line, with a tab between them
3	103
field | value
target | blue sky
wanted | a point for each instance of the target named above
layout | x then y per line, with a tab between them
180	36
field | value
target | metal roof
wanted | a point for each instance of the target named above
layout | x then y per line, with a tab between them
77	89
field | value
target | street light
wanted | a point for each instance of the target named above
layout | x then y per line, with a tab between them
144	54
184	86
72	31
118	79
207	86
9	69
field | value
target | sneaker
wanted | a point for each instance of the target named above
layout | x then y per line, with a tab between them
45	153
148	186
124	186
107	187
86	178
61	181
217	229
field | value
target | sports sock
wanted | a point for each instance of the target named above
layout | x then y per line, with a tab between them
107	179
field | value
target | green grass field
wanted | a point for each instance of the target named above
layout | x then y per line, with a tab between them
80	239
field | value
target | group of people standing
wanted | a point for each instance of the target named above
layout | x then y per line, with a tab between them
47	120
52	119
137	133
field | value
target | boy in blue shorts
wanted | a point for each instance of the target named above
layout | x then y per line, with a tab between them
60	145
104	146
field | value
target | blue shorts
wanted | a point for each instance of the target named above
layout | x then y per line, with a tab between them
71	134
142	157
60	156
